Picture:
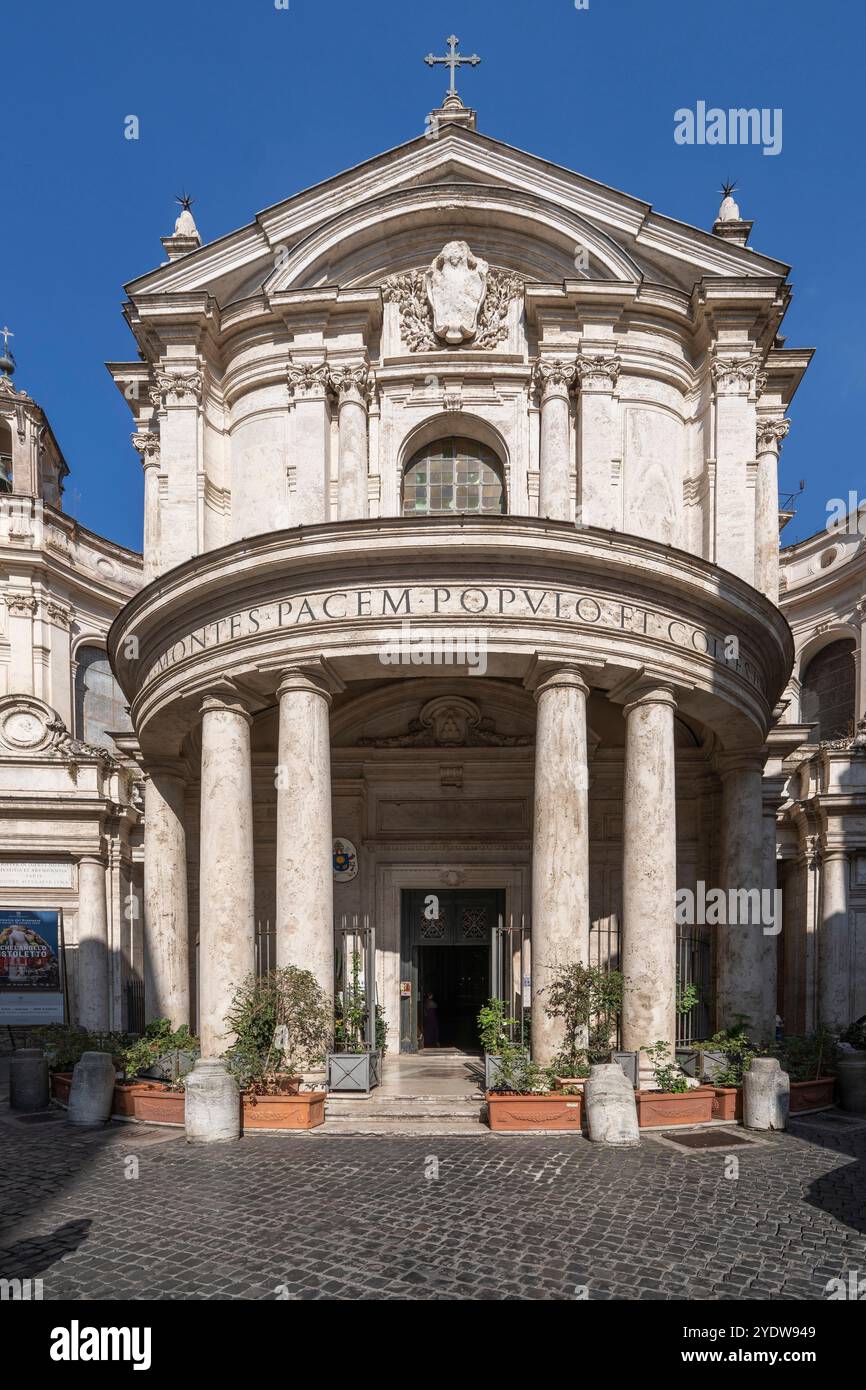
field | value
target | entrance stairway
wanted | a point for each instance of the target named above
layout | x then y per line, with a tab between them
431	1092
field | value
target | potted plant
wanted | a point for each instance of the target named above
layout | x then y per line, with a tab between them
851	1067
731	1051
810	1060
496	1034
588	1000
524	1098
281	1022
355	1063
676	1101
151	1070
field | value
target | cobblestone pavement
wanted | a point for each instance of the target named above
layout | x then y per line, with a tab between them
134	1213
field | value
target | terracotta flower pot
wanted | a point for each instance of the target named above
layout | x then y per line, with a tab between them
60	1084
285	1111
728	1103
656	1109
553	1110
150	1102
812	1095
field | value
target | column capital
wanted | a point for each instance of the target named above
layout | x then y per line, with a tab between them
829	852
301	679
650	693
740	760
351	383
553	376
146	443
598	373
560	677
308	380
769	435
99	859
224	702
167	767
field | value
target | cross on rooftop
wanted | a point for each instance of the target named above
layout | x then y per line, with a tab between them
6	334
453	60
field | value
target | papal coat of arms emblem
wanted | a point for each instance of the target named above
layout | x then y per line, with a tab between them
345	860
456	284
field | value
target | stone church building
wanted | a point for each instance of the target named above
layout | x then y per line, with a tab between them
461	586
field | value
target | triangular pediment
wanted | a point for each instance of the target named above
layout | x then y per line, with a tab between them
394	211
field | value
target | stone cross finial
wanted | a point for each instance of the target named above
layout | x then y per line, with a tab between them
453	60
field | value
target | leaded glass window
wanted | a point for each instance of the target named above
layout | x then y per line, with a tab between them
453	475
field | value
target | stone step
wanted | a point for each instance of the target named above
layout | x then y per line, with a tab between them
405	1107
403	1125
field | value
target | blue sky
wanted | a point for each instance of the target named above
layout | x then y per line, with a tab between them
244	104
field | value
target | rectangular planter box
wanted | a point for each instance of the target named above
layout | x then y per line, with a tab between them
812	1095
728	1103
492	1065
61	1081
551	1111
656	1109
353	1071
149	1102
304	1111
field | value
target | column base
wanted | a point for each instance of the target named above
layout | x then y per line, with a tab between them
213	1104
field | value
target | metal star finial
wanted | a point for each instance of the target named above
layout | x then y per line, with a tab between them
727	188
185	201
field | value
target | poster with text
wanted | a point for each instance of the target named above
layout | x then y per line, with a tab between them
31	967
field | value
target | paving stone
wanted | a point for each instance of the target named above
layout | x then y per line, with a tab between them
346	1217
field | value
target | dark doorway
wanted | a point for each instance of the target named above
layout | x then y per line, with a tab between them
456	977
446	937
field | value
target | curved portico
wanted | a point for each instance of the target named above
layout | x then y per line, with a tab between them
574	626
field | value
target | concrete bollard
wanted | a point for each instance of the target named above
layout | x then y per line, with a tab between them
851	1081
611	1112
766	1094
213	1107
28	1079
92	1090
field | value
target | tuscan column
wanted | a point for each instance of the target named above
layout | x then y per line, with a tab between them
770	434
741	955
834	963
147	446
93	962
599	499
649	872
772	789
226	891
166	920
305	883
177	395
553	379
350	387
560	845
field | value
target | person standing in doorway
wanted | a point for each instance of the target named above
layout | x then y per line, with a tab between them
431	1021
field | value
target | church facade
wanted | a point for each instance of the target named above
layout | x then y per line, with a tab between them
461	615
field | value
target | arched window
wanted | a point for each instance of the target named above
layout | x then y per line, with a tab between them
827	693
5	457
453	475
100	705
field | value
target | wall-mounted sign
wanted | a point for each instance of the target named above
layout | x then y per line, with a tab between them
405	989
35	873
32	974
345	860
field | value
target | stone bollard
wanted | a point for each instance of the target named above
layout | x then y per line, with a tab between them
766	1094
851	1081
611	1112
28	1079
92	1091
213	1107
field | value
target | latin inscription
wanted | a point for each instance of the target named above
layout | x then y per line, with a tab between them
483	603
